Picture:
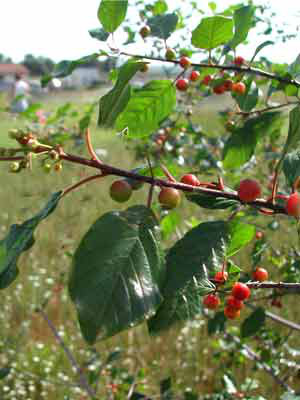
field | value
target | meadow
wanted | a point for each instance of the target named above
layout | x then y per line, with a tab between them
133	359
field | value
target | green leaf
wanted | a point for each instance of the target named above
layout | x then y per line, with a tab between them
253	323
260	47
112	13
291	166
19	239
212	32
163	25
293	138
243	18
147	107
169	224
294	68
99	33
202	249
66	67
117	272
159	7
241	145
116	100
210	202
289	396
4	372
240	235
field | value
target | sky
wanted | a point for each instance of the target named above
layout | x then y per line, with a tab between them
59	28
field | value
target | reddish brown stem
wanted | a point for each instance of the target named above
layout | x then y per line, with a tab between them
167	173
90	146
82	182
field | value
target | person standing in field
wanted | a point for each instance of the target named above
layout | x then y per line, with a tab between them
21	90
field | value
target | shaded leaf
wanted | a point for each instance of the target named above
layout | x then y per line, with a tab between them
4	372
116	100
210	202
147	107
99	34
117	272
216	324
253	323
163	25
112	13
200	250
293	135
212	32
291	166
19	239
243	18
66	67
294	68
241	145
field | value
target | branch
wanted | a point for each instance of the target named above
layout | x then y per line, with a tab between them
255	357
246	70
295	287
82	378
266	109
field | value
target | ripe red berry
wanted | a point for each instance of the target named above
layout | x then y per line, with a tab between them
220	89
120	191
145	31
231	313
292	205
170	54
240	291
190	179
259	235
221	276
194	76
249	190
228	85
239	60
260	274
169	197
238	88
182	84
184	62
234	303
206	80
211	301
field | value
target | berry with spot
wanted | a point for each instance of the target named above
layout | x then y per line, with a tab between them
185	62
194	76
231	313
206	80
234	303
239	61
260	274
238	88
221	276
190	179
182	84
211	301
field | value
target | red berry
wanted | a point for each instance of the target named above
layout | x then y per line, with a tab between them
194	76
190	179
239	88
182	84
169	197
228	85
240	291
170	54
239	60
206	80
211	301
221	276
145	31
220	89
276	303
234	303
292	205
249	190
260	274
184	62
231	313
259	235
120	191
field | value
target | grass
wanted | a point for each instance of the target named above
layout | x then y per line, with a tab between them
40	368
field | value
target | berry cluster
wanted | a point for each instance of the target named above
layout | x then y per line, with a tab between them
226	85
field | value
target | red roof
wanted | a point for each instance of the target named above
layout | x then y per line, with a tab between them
12	69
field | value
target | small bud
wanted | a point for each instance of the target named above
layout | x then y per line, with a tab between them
58	167
54	155
14	167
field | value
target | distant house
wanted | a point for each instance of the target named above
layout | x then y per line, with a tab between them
7	73
84	76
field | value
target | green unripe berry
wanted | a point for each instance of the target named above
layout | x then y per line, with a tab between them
169	197
14	167
47	167
120	191
170	54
